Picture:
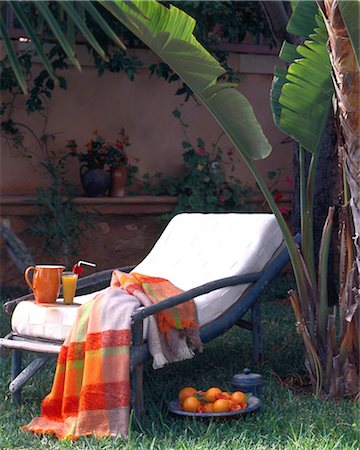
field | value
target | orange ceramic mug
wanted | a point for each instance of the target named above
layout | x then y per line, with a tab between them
45	282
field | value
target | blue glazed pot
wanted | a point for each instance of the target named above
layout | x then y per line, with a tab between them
96	182
247	382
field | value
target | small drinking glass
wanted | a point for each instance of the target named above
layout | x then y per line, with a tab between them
69	281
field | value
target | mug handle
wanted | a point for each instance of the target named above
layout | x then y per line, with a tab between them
27	276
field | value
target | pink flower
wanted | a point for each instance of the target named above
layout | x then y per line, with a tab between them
222	198
284	211
289	180
201	152
278	196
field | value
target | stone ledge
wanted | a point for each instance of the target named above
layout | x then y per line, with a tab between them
22	205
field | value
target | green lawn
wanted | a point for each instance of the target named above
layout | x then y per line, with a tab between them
286	420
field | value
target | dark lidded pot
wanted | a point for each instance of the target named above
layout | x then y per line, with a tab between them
96	182
247	382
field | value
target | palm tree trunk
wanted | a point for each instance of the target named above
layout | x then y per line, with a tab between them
345	373
347	81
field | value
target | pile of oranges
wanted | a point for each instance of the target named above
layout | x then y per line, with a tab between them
214	400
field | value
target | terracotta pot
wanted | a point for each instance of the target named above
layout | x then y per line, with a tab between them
96	182
118	181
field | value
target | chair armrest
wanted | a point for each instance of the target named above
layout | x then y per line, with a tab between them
99	277
143	312
88	281
9	306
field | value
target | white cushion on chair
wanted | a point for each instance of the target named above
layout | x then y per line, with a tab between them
197	248
194	249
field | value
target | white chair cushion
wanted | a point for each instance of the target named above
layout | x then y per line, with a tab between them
197	248
194	249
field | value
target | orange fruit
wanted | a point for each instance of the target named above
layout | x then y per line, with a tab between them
225	395
191	404
186	392
211	394
208	407
222	405
239	397
236	406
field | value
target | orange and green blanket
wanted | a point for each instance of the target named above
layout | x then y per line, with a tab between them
91	388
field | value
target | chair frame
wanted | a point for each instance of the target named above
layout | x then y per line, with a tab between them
139	352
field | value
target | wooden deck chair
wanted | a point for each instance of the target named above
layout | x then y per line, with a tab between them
222	260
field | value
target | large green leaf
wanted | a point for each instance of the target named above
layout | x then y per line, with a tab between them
350	12
169	33
301	96
302	20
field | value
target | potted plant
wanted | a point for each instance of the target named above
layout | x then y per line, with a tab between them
105	165
119	165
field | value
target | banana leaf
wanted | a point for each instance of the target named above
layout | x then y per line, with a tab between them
169	33
301	96
302	20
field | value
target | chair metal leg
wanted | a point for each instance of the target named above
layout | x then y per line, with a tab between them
137	373
137	391
258	352
27	373
16	358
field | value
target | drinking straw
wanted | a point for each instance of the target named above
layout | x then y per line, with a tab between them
86	263
78	269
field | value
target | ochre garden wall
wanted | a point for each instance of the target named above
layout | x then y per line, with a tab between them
144	108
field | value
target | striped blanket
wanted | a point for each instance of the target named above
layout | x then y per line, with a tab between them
91	388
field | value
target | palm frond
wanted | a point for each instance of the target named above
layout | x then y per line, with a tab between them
12	56
74	15
77	14
98	18
34	38
58	33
